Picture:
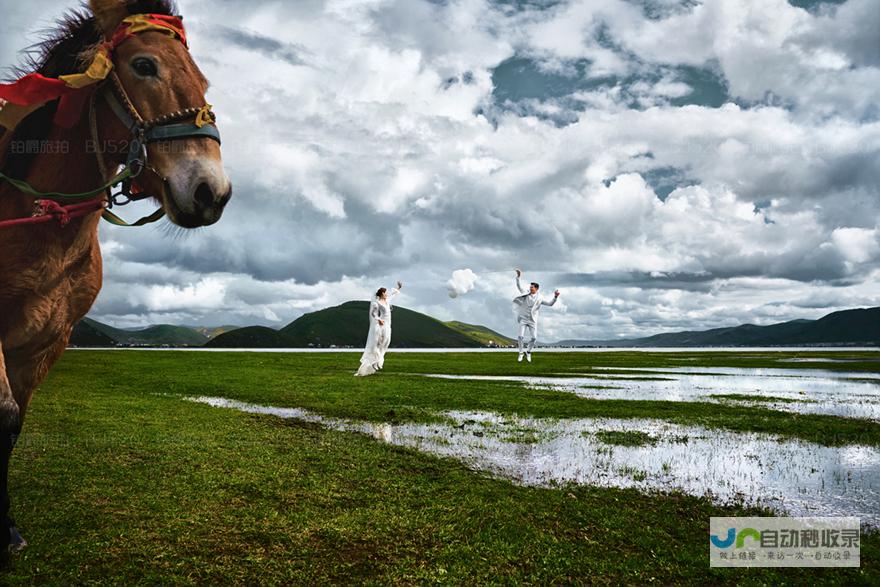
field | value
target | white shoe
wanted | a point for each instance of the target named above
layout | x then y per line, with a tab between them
519	358
529	357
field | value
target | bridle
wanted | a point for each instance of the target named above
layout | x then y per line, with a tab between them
185	123
167	127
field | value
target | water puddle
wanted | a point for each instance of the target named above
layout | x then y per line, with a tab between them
828	360
745	371
805	391
792	477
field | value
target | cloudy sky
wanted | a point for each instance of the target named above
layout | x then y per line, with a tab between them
667	164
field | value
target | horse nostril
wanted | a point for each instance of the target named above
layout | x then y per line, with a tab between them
204	196
225	197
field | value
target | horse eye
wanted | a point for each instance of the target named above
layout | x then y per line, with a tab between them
144	67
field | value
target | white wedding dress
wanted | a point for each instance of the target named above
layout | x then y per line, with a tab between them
378	337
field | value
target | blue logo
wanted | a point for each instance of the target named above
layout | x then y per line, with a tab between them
733	536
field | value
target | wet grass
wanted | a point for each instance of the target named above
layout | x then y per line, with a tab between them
637	475
744	397
113	482
323	382
626	437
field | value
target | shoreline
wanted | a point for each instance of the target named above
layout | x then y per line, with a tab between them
498	350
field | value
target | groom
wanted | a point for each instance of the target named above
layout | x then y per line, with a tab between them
527	306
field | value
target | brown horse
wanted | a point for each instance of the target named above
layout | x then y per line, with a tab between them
51	274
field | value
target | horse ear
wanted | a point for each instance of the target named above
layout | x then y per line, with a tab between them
108	14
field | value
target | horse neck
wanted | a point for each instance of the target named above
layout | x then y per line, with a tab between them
65	162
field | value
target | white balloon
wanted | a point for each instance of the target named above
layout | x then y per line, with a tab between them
461	282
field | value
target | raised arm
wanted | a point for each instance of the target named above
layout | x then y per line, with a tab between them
519	283
552	300
395	291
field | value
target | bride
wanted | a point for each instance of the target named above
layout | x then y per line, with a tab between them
379	335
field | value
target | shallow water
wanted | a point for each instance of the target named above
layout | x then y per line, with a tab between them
828	360
805	391
790	476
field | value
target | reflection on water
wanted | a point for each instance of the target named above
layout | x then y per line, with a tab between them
792	477
805	391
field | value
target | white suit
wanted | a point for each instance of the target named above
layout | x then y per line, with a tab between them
527	307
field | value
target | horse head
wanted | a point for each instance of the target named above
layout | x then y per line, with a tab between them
156	85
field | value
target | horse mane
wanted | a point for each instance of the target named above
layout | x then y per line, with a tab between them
60	52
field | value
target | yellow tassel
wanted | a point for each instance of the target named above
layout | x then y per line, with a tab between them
98	70
140	23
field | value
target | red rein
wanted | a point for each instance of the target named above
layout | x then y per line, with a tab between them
49	210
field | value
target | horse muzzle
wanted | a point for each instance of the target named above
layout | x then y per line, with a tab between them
196	192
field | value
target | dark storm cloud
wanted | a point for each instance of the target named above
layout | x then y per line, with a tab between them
846	184
519	5
287	239
815	4
821	264
639	279
271	48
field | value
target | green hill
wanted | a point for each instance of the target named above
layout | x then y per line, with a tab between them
210	332
256	337
346	326
743	335
341	326
484	335
90	332
86	334
153	335
846	327
167	334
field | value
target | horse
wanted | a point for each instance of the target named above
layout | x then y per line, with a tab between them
127	94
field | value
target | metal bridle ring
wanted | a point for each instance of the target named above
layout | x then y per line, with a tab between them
137	167
116	199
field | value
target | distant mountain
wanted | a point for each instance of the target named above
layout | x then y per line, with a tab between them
846	327
90	332
486	336
166	334
346	326
258	337
86	333
210	332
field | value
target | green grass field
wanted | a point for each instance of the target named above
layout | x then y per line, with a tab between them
116	480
